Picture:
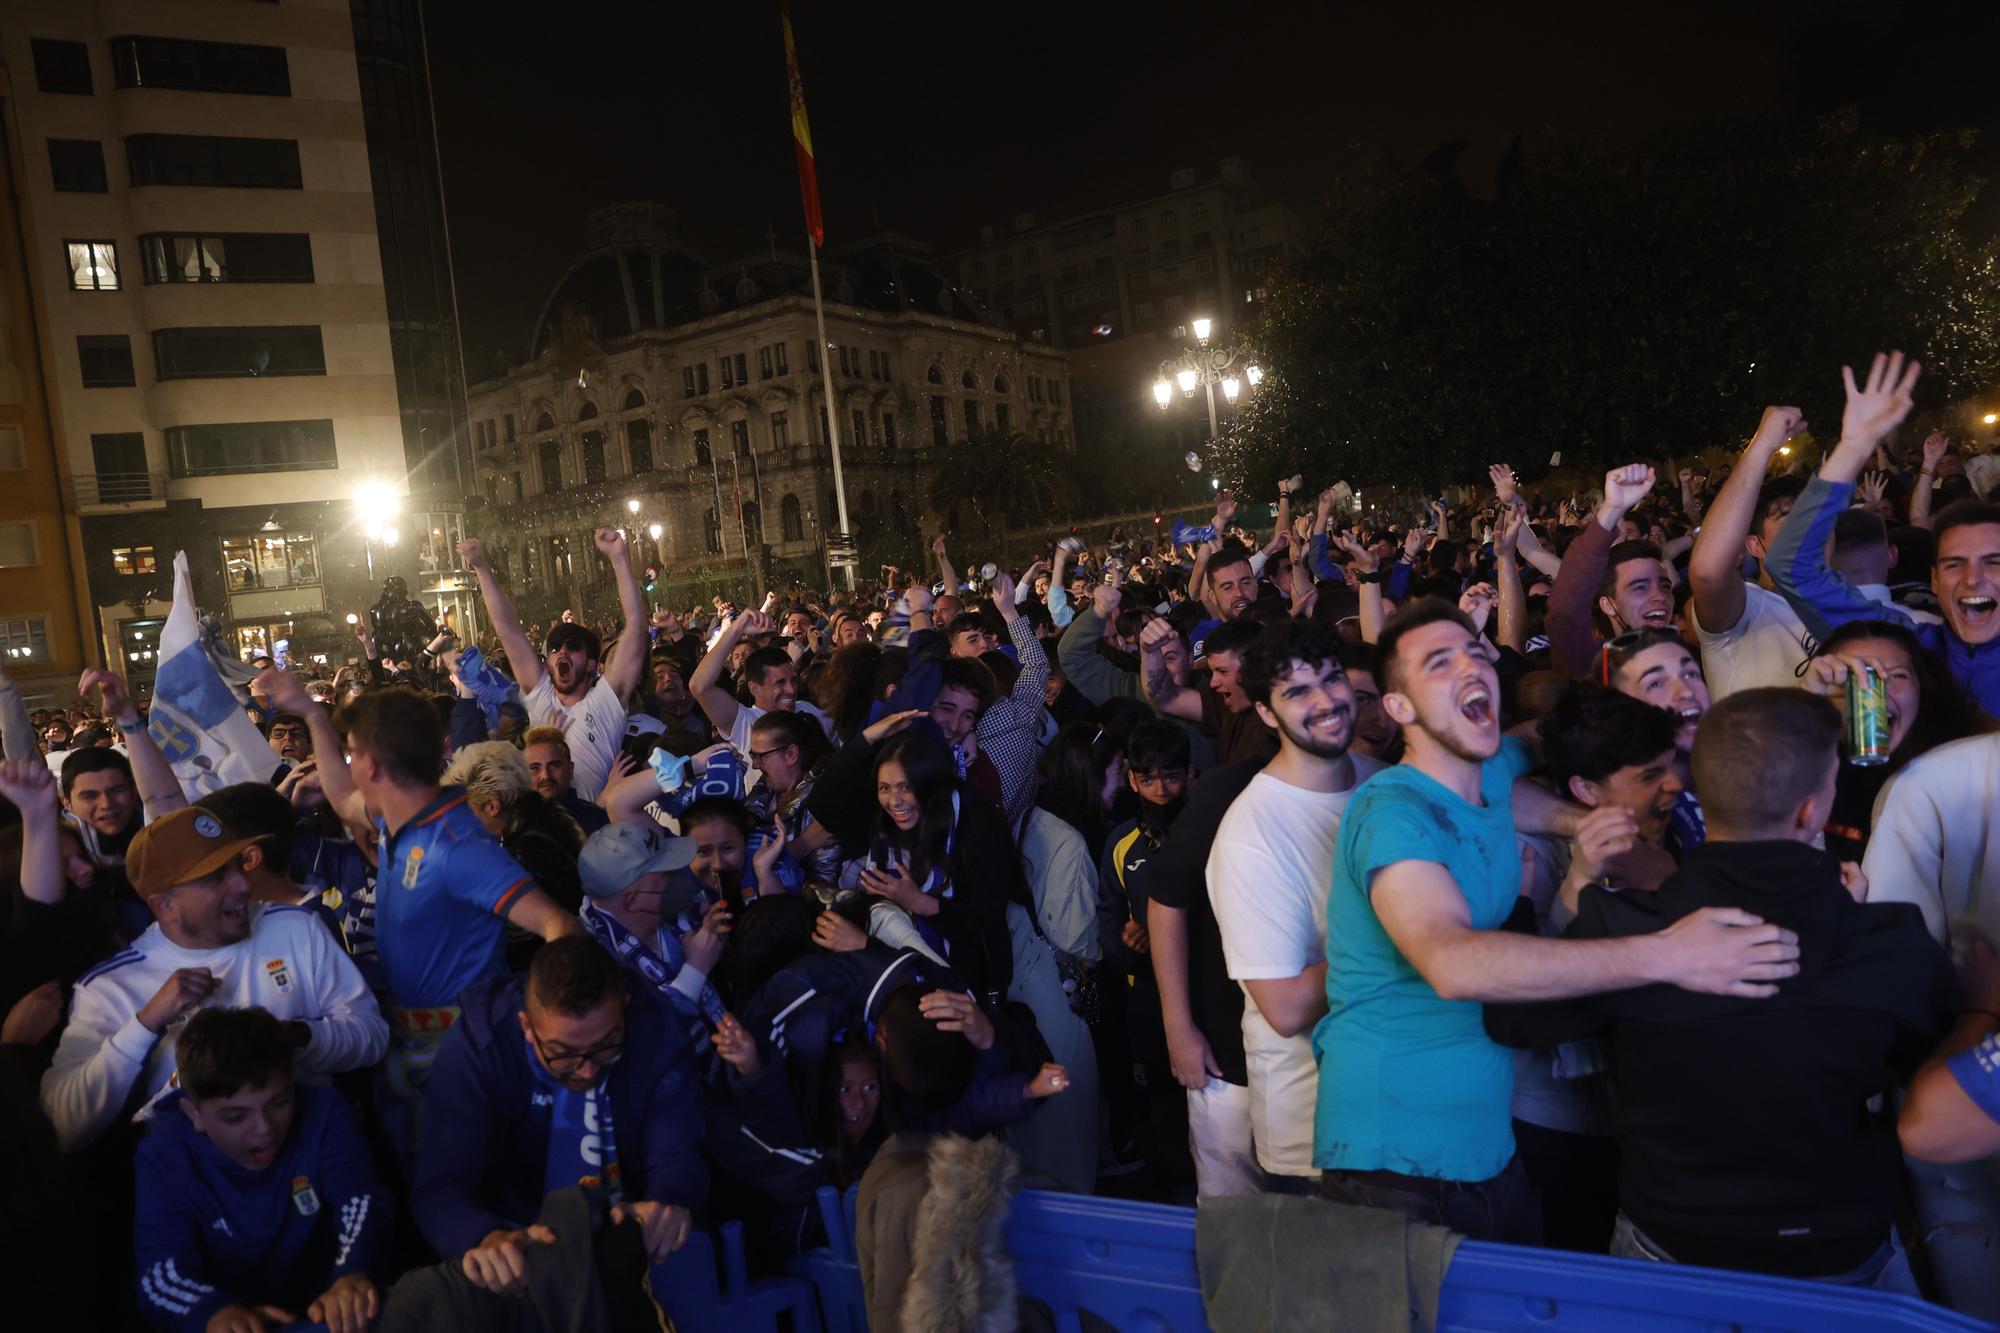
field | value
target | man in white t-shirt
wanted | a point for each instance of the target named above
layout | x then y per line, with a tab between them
1268	875
770	673
563	688
1750	636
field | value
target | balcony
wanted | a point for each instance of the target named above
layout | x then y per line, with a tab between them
116	490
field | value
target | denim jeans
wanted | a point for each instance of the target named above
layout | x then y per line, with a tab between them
1888	1269
1501	1209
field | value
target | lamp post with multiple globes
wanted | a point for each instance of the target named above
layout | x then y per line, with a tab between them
1205	366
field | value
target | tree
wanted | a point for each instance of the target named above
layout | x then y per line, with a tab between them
1613	303
1005	476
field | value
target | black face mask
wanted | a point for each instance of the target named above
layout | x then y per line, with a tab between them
1161	817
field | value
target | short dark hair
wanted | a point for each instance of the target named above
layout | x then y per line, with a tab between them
1592	733
971	674
1157	746
1624	553
570	635
398	727
763	661
970	619
1407	620
932	1066
571	976
1770	493
1304	642
716	810
787	727
1859	527
1962	514
1232	553
1231	636
286	719
94	759
223	1051
1758	753
255	810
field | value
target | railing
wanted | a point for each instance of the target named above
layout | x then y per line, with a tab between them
121	488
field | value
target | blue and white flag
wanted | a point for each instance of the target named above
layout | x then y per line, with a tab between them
196	719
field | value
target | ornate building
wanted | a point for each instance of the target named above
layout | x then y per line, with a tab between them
663	392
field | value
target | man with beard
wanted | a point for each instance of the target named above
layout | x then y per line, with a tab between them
554	776
769	673
1231	591
1633	585
1412	1113
208	942
1267	877
564	689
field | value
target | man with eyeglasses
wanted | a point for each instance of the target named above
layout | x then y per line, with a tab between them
290	738
560	1079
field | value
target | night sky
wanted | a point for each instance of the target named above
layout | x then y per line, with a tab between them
931	125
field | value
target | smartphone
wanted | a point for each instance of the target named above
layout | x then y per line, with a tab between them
878	853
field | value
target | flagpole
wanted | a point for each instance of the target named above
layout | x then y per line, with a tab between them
832	413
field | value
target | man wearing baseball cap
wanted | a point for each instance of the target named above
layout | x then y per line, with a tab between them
641	904
209	943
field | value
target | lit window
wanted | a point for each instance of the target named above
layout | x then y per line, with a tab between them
93	266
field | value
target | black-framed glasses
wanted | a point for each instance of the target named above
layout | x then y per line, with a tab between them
604	1055
763	754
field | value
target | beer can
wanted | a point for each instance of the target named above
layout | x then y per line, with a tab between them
1867	717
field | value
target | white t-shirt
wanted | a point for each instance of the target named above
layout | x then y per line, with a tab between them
594	728
290	964
747	715
1765	647
1269	872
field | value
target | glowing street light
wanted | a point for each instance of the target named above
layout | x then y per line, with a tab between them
1991	418
654	530
1163	391
1201	329
1207	367
1255	374
631	506
1231	386
1187	379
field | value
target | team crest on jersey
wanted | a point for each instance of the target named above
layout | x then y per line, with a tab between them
410	867
303	1197
280	973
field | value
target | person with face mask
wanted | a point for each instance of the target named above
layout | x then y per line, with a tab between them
208	942
1267	875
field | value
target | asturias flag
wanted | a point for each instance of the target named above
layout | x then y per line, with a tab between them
802	139
196	719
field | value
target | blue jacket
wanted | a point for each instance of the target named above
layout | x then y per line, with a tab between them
1825	600
208	1233
481	1161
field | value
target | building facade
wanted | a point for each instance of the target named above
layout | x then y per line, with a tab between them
664	393
199	216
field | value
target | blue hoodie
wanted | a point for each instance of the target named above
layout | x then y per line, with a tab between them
480	1166
208	1233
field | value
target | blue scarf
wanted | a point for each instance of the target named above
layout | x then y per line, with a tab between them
583	1146
490	689
658	967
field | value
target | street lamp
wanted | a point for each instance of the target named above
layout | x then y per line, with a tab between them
377	504
1207	367
1163	391
1231	386
1990	418
631	506
654	530
1201	329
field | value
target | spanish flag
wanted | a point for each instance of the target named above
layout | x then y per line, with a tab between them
802	139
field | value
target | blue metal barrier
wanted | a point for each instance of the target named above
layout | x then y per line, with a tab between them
704	1296
1132	1265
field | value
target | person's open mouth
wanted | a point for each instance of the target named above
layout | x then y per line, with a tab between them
1476	706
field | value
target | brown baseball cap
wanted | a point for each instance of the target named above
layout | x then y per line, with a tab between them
186	846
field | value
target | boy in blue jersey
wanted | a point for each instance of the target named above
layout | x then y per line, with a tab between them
257	1204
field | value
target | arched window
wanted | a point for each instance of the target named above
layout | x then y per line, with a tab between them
792	517
711	532
545	422
586	412
550	454
1000	384
593	457
936	374
968	381
634	399
639	445
701	456
753	522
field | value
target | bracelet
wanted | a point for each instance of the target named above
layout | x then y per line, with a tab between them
1371	576
133	726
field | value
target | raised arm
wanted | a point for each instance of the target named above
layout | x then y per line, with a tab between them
1532	549
288	694
159	790
1935	445
1058	599
1368	581
945	571
17	729
521	654
629	654
706	683
30	785
1512	631
1572	637
1167	697
1715	566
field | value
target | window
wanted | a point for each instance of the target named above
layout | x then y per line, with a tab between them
1055	391
25	639
859	420
753	523
783	369
781	431
1138	226
208	67
639	445
1034	388
233	257
509	419
742	367
1142	310
764	362
711	532
966	381
888	371
106	359
633	400
812	356
77	165
93	266
555	557
874	365
1170	249
17	545
701	455
889	432
203	159
971	417
1000	420
1028	256
1167	218
687	381
791	519
549	454
270	560
61	67
739	438
250	446
134	560
841	353
1000	384
221	353
1198	215
701	377
1142	254
935	375
544	422
940	431
728	374
120	462
593	457
1201	240
587	412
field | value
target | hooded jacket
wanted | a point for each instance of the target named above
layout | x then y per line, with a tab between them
1743	1124
480	1166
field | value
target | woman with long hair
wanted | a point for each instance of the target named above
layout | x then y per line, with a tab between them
787	748
845	688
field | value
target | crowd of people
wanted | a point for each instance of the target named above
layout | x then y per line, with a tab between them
1515	867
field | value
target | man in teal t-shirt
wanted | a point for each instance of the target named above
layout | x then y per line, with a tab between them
1413	1097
